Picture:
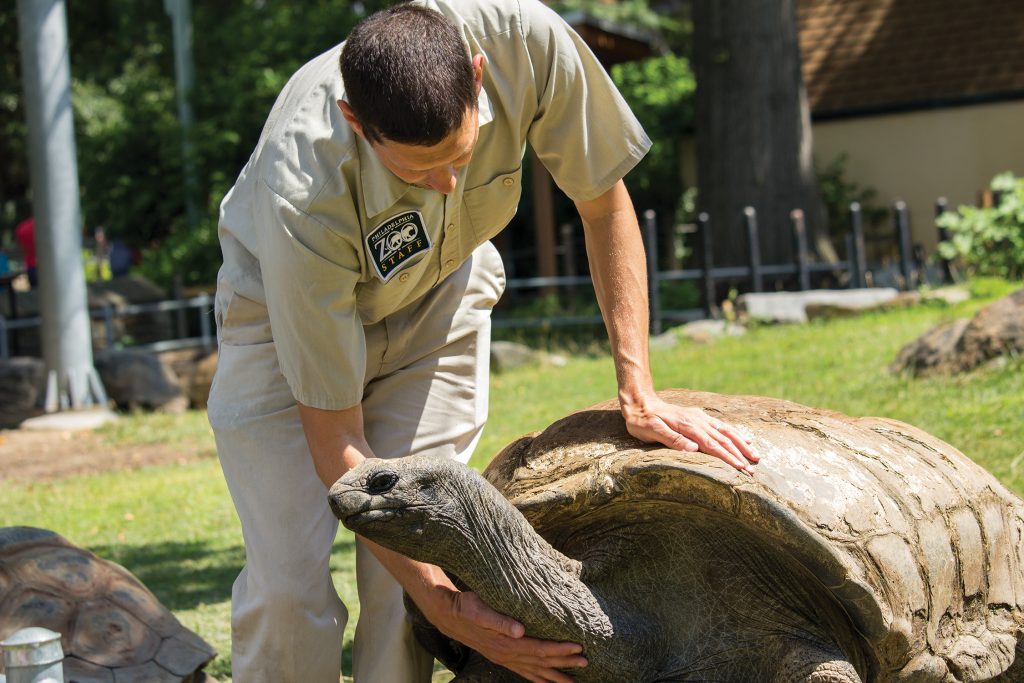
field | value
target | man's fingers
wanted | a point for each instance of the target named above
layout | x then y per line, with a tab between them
474	609
742	442
672	437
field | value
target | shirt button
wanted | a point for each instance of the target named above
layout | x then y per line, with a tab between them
509	182
450	263
404	277
451	226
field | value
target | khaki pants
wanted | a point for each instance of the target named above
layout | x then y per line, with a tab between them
425	393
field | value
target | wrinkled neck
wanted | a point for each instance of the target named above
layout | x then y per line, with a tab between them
517	573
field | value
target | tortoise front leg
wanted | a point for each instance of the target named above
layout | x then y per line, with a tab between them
804	662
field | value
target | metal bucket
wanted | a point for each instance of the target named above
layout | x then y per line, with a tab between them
33	655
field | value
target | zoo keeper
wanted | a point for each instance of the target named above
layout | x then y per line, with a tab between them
353	311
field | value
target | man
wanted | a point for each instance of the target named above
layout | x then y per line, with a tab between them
354	308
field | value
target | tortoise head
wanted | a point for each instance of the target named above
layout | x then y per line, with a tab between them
411	505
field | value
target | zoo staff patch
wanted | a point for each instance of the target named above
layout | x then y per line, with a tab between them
393	243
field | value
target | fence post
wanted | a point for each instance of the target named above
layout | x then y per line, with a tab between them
903	236
802	258
756	277
858	257
941	207
707	247
653	295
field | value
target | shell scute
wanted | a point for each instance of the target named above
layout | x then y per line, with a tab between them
921	547
27	605
108	636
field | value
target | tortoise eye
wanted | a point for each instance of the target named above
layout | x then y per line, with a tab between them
381	482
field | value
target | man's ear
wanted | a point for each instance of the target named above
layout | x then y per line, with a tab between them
350	116
478	72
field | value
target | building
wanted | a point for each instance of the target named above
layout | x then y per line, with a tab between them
926	97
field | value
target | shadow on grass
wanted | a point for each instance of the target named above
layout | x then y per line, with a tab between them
184	575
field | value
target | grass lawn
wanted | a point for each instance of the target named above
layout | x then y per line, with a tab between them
175	528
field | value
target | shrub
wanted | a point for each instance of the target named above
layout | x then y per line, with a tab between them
989	241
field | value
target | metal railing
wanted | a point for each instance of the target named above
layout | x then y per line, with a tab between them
853	270
109	313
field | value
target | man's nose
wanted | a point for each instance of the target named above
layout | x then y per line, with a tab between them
443	179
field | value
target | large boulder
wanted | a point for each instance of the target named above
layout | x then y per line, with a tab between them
962	345
792	307
22	385
137	380
194	372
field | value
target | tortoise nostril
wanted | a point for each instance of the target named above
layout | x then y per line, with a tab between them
381	482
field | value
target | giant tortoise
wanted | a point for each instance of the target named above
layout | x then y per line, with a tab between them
859	549
113	629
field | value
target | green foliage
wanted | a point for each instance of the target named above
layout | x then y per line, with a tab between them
633	13
989	241
126	124
660	91
838	192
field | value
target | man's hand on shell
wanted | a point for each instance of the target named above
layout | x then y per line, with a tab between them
688	428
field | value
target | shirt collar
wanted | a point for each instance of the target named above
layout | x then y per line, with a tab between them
381	188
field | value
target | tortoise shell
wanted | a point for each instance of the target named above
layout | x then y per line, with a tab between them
920	550
112	628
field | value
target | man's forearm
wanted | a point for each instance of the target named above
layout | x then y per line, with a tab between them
337	444
619	270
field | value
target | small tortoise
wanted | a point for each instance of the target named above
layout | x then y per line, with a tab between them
112	627
860	549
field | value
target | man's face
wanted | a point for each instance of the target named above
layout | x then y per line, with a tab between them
436	166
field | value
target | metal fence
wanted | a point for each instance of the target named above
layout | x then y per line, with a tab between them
853	271
201	306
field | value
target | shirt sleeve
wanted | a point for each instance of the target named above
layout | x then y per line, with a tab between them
310	273
583	132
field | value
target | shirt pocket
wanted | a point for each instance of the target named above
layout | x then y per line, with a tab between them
489	207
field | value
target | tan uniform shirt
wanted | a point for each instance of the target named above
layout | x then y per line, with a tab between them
322	234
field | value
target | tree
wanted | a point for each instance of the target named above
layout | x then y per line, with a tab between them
753	127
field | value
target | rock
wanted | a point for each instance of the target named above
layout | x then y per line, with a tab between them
193	371
664	341
507	355
202	379
931	350
997	330
950	296
698	331
22	387
791	307
138	380
705	331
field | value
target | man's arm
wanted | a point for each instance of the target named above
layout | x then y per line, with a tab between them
619	269
336	440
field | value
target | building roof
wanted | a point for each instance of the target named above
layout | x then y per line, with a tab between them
874	56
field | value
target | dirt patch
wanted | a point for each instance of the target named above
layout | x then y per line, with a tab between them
31	455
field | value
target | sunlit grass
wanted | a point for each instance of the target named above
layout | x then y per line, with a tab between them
175	528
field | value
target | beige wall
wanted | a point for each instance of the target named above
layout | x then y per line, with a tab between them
921	156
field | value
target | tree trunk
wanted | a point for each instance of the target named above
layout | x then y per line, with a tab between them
753	128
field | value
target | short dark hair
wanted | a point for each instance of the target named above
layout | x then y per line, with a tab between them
408	75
